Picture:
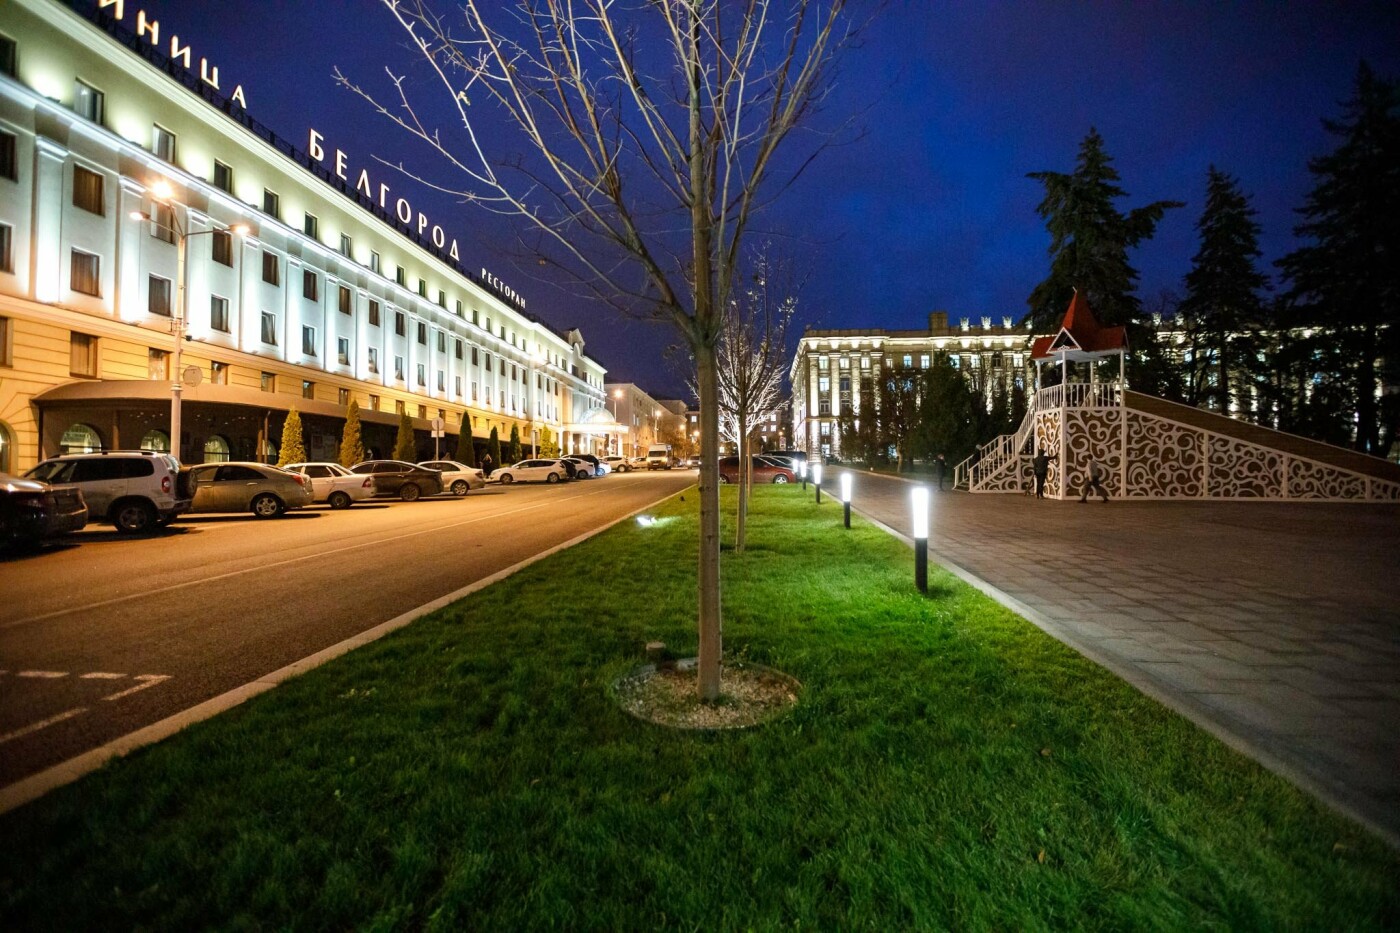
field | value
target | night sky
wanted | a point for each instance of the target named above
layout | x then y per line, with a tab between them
929	209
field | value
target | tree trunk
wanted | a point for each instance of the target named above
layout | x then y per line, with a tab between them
711	646
742	513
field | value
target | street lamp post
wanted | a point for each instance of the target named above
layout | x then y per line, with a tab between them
617	416
162	194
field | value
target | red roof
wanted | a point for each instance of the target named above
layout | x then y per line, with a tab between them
1080	334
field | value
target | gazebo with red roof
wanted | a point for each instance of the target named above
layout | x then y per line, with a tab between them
1082	339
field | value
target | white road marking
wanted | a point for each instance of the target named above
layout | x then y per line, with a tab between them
102	675
47	675
35	727
148	680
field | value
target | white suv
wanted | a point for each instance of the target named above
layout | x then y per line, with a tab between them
136	490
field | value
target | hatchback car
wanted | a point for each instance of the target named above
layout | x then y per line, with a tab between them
618	464
136	490
764	471
531	471
333	484
457	477
31	511
582	468
266	491
408	481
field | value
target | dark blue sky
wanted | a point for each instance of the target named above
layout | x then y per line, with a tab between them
930	209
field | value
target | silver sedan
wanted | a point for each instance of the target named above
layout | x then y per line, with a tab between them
266	491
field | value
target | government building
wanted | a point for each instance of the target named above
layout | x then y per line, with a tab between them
156	239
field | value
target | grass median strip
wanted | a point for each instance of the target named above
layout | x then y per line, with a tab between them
947	765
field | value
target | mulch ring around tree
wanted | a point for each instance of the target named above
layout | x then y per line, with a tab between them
750	694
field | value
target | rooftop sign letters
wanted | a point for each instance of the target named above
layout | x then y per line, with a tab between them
148	29
502	287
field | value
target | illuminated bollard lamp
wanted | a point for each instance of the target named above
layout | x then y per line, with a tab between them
817	480
846	497
802	472
920	497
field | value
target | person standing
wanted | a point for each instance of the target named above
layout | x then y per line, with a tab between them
940	469
1040	466
486	466
1096	474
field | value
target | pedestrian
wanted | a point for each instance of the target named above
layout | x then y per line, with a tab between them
486	466
1040	465
940	468
1096	474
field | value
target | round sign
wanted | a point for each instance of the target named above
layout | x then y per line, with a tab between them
193	375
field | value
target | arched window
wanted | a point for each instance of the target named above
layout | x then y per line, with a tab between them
156	440
216	449
7	449
80	439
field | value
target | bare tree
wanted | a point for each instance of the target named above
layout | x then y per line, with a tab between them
652	134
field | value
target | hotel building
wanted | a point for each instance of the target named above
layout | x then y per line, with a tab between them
140	202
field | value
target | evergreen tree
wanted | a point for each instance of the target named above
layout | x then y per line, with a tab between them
549	444
352	448
405	445
1223	306
999	417
293	450
493	450
899	413
1347	278
466	450
513	451
952	413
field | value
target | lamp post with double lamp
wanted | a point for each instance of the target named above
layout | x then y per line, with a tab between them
920	516
163	194
846	497
617	416
817	480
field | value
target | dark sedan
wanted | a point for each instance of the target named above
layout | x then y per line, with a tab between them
31	511
764	471
408	481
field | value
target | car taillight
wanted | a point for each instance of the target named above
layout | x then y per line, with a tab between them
368	483
301	479
165	484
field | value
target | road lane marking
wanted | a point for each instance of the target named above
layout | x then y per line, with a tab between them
47	675
148	680
102	675
318	555
41	724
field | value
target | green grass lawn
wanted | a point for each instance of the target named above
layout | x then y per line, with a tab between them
948	765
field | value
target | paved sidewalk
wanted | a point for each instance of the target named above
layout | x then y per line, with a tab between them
1276	626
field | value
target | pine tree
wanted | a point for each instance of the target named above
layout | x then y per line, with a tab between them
513	452
549	445
293	450
1348	277
466	450
352	448
1223	304
493	450
406	445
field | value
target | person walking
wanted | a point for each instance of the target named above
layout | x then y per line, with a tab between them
1040	466
940	469
1096	474
486	466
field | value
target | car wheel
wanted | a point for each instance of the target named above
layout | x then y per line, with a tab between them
268	506
134	517
340	500
459	487
780	478
724	480
507	479
409	492
552	478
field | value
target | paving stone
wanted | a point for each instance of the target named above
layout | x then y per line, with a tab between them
1224	668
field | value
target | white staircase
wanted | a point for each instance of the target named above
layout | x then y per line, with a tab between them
996	467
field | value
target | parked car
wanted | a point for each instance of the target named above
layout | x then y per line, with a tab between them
582	468
333	484
600	468
692	463
138	491
31	511
659	457
764	471
408	481
457	477
531	471
266	491
619	464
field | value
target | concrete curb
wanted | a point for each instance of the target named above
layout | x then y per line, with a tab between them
65	772
1335	798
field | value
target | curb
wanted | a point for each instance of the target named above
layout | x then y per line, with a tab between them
37	785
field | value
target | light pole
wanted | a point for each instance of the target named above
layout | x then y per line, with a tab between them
920	506
617	416
656	426
162	194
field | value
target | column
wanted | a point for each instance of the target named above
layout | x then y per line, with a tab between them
47	244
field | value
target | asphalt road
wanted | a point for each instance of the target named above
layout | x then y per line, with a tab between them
106	634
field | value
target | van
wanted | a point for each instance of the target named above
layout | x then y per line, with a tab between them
659	457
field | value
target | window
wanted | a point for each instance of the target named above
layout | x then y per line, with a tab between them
158	296
84	439
474	356
271	268
422	411
459	308
155	440
822	362
85	273
308	340
908	360
824	384
401	276
442	381
216	451
474	391
163	223
7	248
7	66
845	384
82	355
824	408
423	288
865	362
223	176
373	313
423	333
442	341
163	143
342	350
311	226
422	375
269	382
398	368
345	300
442	298
476	317
269	328
399	323
9	166
223	247
373	360
6	359
308	389
923	361
88	101
218	373
345	245
87	190
374	263
272	204
158	364
399	407
374	403
342	396
459	348
457	385
309	285
826	428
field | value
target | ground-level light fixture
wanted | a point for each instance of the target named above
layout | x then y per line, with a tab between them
846	496
802	473
817	480
920	506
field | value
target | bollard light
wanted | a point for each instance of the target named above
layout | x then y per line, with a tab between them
920	499
802	472
846	496
817	480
